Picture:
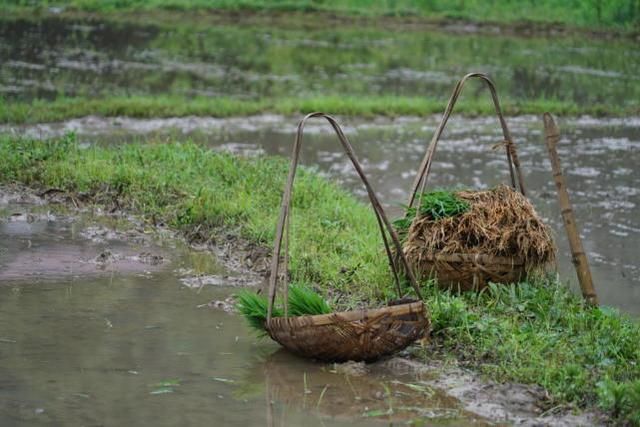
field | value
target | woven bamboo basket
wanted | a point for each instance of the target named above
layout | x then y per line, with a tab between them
469	271
360	335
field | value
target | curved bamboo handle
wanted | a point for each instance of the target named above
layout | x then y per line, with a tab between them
283	219
512	157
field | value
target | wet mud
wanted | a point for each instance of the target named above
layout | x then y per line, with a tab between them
52	236
511	403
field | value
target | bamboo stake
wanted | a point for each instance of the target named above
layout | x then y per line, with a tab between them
579	258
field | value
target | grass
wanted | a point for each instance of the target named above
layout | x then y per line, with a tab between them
615	14
189	188
39	111
538	332
442	204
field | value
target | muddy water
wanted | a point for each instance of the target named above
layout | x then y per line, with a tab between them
600	157
127	343
51	58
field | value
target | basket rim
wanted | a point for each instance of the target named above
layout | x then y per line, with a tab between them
350	315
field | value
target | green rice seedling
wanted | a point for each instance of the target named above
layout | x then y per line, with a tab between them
304	301
442	204
402	224
436	205
254	309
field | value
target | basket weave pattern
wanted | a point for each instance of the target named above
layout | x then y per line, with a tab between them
468	272
355	335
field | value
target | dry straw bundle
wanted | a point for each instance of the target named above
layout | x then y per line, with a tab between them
498	239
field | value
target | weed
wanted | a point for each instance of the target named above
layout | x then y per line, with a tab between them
254	309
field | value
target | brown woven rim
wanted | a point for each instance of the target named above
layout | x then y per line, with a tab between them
348	316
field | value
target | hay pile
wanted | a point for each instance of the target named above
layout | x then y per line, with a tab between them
500	223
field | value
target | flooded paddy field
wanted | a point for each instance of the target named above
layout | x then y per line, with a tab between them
54	58
599	157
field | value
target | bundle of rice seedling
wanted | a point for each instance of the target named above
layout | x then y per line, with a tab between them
254	309
436	205
498	237
303	301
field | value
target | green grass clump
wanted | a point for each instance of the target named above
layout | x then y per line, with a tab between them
402	224
621	400
442	204
304	301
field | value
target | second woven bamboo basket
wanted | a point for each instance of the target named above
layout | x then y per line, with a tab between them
467	270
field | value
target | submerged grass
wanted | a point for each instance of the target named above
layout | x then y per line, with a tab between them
39	111
538	332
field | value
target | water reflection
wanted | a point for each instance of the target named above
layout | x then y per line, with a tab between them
347	392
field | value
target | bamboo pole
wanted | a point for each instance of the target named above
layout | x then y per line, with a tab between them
579	258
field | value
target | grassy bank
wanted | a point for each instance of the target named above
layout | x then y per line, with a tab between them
147	106
615	14
536	333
